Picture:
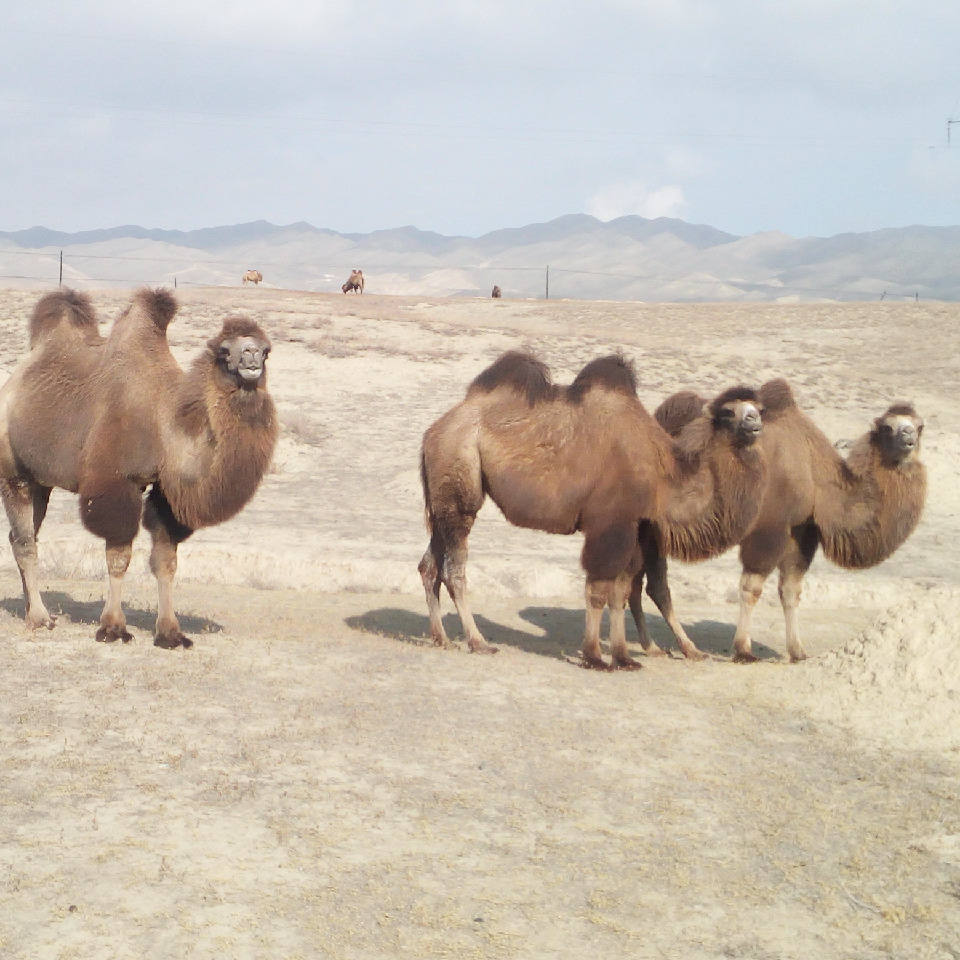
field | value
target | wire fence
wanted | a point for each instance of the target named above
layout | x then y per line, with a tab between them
539	281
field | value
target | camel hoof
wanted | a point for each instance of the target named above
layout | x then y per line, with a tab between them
113	633
654	651
483	647
797	658
592	663
46	623
744	658
170	641
626	664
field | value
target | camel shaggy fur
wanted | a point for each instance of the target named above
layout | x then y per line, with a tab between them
859	509
584	457
253	276
109	417
354	282
496	293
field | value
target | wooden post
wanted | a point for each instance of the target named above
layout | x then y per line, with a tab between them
548	282
61	268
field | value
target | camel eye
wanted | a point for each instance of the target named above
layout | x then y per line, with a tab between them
223	352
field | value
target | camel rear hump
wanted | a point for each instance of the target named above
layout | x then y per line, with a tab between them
62	307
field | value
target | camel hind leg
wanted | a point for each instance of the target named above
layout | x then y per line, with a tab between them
445	562
26	505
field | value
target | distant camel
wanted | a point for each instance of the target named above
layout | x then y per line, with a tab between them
253	276
354	282
108	417
496	294
860	509
585	457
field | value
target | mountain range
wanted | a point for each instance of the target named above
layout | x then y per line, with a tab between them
575	256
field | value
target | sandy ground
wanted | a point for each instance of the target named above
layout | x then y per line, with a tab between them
313	779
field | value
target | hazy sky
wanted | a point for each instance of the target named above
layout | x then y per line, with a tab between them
813	117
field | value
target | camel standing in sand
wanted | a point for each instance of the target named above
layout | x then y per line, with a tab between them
585	457
354	282
860	509
253	276
496	293
108	417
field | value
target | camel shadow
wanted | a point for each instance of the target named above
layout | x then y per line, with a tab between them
559	632
88	611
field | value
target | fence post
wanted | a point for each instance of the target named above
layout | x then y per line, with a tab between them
548	282
61	268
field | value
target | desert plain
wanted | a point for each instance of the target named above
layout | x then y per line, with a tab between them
315	779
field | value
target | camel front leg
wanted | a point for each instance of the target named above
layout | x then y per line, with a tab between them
794	565
26	505
113	623
658	589
751	586
165	533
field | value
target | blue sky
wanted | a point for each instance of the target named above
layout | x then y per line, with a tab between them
812	118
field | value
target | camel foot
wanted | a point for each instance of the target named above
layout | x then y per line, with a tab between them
739	657
592	663
654	651
113	633
481	646
172	640
46	622
625	663
694	654
444	643
797	657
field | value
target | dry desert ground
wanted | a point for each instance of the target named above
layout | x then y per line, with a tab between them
315	779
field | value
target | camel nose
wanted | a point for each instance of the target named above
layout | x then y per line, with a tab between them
907	436
251	362
751	424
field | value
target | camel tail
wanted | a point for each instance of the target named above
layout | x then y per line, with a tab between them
62	307
425	484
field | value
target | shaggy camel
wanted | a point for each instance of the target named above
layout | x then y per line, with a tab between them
253	276
585	457
860	510
495	293
354	282
108	417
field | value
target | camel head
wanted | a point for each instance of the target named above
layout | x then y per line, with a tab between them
240	352
739	412
897	434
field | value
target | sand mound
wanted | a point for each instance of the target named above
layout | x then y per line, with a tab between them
897	682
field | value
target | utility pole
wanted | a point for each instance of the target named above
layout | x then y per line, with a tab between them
950	122
548	282
61	268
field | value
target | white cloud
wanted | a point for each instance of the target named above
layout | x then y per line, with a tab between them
635	197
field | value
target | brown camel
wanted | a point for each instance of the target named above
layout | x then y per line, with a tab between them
253	276
496	294
108	417
585	457
860	510
354	282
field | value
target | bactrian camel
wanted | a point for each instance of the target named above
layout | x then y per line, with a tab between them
584	457
859	509
110	417
253	276
354	282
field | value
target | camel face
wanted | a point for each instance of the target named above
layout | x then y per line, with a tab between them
244	359
898	435
743	420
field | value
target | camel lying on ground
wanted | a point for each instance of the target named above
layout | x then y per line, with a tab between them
108	417
585	457
253	276
354	282
860	509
